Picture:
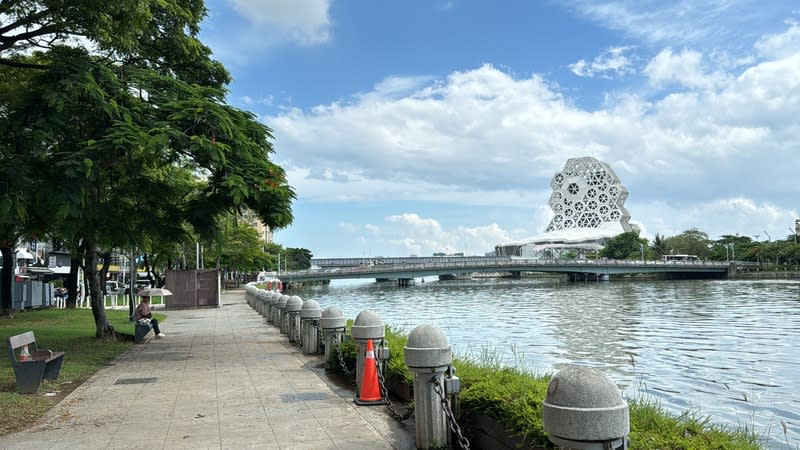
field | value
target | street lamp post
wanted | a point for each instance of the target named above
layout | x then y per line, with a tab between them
641	247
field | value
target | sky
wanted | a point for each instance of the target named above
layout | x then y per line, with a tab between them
426	126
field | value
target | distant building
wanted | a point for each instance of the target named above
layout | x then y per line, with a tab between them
264	232
588	209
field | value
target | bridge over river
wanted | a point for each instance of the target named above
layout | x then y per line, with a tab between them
405	270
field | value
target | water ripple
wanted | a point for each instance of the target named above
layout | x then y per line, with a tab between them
724	348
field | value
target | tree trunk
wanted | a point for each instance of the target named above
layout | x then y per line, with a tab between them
72	282
106	256
102	328
6	278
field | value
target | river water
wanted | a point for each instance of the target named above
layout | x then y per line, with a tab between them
728	349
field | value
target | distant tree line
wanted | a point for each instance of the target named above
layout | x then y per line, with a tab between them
779	252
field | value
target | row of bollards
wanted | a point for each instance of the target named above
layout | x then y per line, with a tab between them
583	408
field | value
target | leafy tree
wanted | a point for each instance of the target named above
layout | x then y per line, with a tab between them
690	242
238	249
17	200
118	126
624	246
659	247
298	259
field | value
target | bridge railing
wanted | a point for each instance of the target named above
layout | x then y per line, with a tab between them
467	264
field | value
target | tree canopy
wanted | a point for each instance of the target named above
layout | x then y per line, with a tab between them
119	111
623	246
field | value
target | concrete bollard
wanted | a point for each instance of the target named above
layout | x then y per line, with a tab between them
368	325
333	324
309	325
249	293
428	355
261	300
280	314
583	410
293	307
272	302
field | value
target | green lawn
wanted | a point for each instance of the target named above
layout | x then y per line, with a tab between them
68	330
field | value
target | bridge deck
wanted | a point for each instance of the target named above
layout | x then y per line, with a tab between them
423	267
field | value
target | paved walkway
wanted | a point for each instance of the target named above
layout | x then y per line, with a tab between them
221	378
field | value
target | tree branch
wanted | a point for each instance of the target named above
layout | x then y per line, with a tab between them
21	65
55	28
25	21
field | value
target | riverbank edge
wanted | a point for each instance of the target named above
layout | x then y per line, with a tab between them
500	405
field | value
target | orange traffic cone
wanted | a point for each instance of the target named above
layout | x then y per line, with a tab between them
369	393
24	355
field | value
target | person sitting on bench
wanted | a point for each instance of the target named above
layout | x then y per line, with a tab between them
143	312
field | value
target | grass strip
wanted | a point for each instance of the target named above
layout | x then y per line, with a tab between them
514	398
68	330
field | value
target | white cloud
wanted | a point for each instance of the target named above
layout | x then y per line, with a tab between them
720	217
781	44
303	21
613	61
686	69
265	101
349	227
683	22
412	234
485	138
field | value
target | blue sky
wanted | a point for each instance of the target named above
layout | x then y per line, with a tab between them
427	126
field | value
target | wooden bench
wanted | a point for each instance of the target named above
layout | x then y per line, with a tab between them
41	364
141	330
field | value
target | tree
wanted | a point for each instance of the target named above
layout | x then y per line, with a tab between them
690	242
118	125
659	247
298	259
624	246
238	248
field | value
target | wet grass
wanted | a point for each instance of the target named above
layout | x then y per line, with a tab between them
68	330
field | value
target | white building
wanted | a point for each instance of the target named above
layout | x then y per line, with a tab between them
588	209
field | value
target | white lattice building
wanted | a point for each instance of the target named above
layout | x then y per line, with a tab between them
588	208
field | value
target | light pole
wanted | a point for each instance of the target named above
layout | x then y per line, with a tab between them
727	256
641	247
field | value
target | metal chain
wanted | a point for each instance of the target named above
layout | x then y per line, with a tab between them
385	394
341	361
451	420
320	336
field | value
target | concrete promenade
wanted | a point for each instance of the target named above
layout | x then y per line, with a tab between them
221	378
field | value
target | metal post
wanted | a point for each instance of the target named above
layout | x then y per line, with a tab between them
428	355
309	319
293	307
333	325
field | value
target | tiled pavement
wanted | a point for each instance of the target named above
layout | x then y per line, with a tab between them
221	378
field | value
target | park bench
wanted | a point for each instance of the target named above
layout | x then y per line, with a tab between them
41	364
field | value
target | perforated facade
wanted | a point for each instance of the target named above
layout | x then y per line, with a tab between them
588	209
585	194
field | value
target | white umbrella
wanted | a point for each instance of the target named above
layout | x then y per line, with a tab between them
154	292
